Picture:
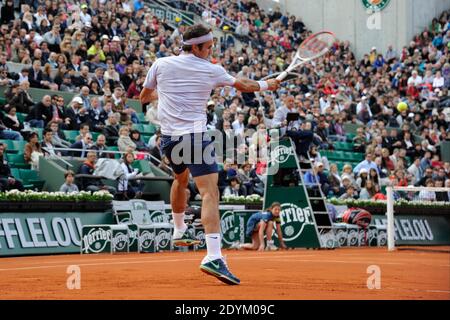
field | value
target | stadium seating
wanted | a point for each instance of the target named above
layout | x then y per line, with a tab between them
21	117
39	131
114	148
350	137
149	129
71	135
95	135
345	146
141	118
9	146
138	126
19	145
16	160
15	173
31	179
143	166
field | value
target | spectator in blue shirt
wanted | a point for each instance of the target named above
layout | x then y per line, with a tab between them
366	164
316	176
379	62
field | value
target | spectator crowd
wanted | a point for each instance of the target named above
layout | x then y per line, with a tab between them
101	51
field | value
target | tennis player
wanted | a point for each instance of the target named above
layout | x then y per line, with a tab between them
183	84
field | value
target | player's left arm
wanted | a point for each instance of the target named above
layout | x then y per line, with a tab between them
148	95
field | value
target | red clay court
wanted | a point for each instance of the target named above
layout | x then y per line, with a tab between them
294	274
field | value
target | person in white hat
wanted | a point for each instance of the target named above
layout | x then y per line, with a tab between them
363	106
415	79
362	178
211	115
72	112
183	84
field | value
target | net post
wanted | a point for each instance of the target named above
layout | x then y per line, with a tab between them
390	219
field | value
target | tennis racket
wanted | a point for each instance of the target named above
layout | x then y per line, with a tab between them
313	47
290	76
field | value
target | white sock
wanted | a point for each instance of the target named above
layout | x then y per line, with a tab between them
213	243
178	221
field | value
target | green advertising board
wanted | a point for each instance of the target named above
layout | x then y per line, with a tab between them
199	232
163	236
146	237
241	219
105	238
60	232
228	226
233	226
96	239
418	229
45	233
375	5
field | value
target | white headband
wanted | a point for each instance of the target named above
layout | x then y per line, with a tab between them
198	40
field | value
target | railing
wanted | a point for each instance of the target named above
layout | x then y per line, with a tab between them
180	13
17	67
37	94
58	157
99	151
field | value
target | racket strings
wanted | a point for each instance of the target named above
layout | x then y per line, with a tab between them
316	46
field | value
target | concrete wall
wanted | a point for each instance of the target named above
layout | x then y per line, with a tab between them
396	24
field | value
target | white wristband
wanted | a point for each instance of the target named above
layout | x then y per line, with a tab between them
263	85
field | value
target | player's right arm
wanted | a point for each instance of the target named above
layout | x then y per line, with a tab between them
222	78
248	85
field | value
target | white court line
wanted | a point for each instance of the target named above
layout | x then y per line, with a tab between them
180	260
118	256
415	290
342	261
96	264
177	255
141	258
116	262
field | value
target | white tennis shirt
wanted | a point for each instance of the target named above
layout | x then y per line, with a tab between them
184	85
